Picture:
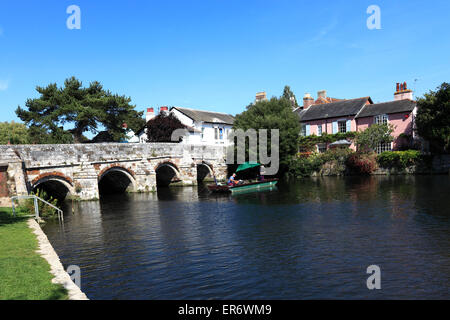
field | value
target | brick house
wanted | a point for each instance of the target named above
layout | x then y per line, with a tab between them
331	115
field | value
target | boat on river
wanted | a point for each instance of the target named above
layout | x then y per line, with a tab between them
260	184
263	185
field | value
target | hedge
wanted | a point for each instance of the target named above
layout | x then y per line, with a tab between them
398	159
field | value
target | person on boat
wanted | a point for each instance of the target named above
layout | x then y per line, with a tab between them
232	181
261	173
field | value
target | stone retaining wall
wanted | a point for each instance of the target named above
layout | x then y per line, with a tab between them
56	268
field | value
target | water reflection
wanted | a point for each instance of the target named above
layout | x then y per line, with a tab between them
311	238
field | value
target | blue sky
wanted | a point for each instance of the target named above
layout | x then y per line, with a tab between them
216	54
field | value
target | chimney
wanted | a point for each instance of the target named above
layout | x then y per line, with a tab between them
260	96
403	92
322	94
150	114
307	101
164	110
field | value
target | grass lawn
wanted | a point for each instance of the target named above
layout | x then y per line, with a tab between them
24	274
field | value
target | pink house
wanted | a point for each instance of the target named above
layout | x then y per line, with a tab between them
358	114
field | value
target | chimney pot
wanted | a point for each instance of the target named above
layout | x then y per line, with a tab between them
402	92
260	96
164	110
150	114
322	94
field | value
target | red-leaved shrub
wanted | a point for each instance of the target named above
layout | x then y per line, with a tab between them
362	163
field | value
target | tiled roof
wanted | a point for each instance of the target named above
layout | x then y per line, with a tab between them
333	109
387	108
206	116
322	100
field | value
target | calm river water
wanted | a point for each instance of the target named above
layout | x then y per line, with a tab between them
310	239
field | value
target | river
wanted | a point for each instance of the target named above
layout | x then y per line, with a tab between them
309	239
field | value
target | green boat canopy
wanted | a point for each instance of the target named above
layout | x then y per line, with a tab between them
247	165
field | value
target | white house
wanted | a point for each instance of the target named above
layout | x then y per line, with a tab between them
205	127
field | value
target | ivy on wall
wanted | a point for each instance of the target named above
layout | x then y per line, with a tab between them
307	143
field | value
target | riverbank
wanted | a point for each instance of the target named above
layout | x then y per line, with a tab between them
25	274
346	162
29	266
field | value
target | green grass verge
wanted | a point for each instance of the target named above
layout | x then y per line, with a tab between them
24	274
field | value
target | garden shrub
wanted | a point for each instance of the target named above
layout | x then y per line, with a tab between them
362	163
398	159
305	164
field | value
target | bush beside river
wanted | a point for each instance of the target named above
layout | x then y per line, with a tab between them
339	162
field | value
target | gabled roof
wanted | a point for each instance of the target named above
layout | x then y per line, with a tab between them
398	106
334	109
206	116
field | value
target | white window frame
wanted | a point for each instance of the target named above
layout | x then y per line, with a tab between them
381	119
303	130
321	147
383	147
216	133
319	130
345	126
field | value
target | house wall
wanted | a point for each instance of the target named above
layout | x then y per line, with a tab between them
209	133
401	123
327	124
196	137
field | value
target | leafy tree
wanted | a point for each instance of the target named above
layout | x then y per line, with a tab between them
161	127
273	114
13	133
290	96
83	108
369	139
433	118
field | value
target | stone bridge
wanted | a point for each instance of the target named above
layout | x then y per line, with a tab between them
86	171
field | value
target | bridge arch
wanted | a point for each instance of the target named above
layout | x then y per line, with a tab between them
166	172
203	170
116	179
54	184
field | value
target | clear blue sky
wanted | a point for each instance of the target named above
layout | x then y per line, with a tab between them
217	54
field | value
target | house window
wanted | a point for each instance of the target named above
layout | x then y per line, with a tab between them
322	147
216	133
221	133
304	130
319	130
342	126
382	147
203	133
381	119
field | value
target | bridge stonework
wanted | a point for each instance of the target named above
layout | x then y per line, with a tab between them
80	167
